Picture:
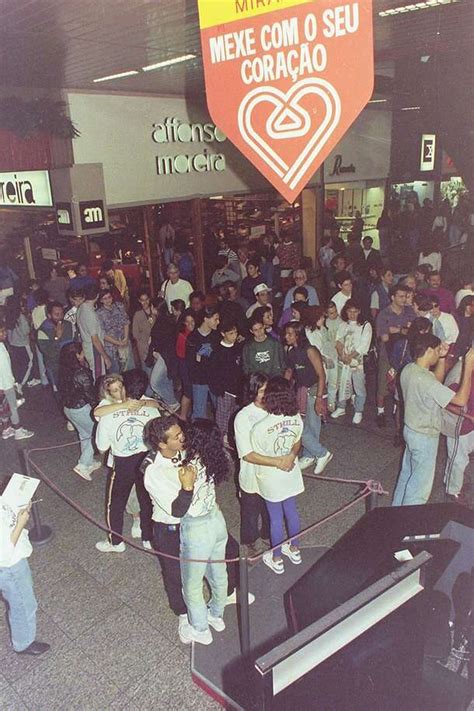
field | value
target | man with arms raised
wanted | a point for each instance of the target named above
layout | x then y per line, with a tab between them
424	398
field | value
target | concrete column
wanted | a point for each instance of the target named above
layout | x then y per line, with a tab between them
308	209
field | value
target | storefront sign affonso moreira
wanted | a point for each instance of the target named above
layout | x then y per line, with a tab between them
174	131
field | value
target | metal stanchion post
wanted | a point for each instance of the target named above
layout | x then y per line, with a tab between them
40	534
243	592
371	501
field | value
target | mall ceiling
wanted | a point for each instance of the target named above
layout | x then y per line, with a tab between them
69	43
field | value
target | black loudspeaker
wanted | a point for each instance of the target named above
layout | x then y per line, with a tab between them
366	553
386	667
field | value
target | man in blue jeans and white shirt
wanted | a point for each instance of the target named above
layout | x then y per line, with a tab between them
16	584
424	397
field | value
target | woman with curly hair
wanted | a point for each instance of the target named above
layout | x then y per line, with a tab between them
279	435
203	531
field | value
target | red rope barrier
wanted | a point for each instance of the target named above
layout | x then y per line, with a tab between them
370	486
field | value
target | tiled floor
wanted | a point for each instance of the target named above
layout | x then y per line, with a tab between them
114	642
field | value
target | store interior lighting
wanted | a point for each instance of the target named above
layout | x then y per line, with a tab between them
116	76
378	101
413	7
168	62
410	108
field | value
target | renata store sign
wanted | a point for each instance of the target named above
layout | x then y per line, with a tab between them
286	78
25	189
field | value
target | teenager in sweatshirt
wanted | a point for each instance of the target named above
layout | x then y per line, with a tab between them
199	347
226	374
262	353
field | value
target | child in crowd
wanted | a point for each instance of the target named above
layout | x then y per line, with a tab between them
262	353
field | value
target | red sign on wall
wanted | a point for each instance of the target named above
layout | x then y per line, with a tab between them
286	78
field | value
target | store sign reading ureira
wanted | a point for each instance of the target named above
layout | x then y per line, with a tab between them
286	78
25	189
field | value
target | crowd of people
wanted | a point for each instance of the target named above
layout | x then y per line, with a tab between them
171	387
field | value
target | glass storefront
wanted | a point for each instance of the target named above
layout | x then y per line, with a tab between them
346	199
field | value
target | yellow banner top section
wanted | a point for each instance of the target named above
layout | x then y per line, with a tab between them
220	12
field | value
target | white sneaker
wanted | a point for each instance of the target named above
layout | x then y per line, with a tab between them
232	598
20	401
338	412
83	472
70	427
357	419
183	632
216	622
294	556
305	462
147	545
33	382
21	433
94	466
8	432
188	634
323	462
107	547
136	528
276	565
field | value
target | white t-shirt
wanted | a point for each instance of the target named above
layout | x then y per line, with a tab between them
122	431
9	553
181	290
243	424
339	300
7	381
275	436
161	480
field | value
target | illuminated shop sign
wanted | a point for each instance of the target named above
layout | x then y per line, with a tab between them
25	189
428	147
174	131
339	169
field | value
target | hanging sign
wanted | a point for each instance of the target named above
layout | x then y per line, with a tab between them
286	78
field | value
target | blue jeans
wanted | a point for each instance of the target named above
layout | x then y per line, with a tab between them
205	538
84	424
418	469
200	395
312	447
161	384
16	585
360	391
277	510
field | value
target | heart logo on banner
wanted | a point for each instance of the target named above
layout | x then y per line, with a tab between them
290	120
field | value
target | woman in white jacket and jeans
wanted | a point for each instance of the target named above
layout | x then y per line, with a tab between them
353	340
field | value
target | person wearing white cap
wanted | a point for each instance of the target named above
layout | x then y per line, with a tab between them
262	298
